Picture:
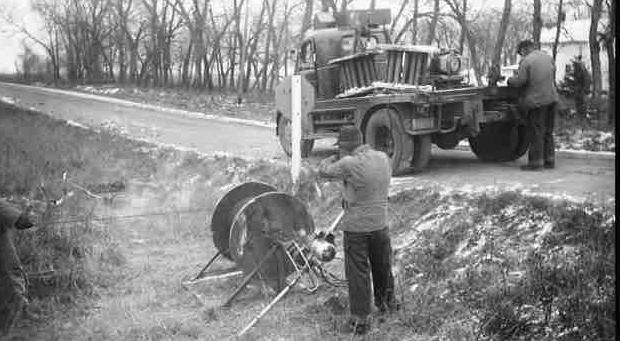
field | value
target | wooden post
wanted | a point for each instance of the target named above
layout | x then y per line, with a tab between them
295	128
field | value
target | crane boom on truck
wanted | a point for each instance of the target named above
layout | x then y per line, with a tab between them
404	98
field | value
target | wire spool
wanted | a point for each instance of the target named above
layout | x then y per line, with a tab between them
227	208
260	224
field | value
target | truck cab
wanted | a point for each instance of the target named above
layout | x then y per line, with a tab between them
327	42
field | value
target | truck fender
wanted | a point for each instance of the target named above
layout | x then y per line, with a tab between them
368	112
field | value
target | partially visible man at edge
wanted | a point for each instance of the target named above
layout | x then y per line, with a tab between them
536	75
13	301
366	175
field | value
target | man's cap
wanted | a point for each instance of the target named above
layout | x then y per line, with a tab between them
349	137
524	44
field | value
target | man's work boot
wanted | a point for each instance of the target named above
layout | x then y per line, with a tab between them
355	326
529	167
10	313
549	165
31	314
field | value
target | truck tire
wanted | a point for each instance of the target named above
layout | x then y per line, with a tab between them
500	142
284	135
385	132
421	152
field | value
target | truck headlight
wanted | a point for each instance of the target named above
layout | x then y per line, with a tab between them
454	64
450	64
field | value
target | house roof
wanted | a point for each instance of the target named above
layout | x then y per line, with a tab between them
572	31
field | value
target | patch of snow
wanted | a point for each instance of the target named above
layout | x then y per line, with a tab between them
76	124
463	252
111	91
9	100
542	233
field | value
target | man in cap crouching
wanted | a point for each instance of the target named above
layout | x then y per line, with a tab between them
366	175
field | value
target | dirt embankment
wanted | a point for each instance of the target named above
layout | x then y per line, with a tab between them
468	265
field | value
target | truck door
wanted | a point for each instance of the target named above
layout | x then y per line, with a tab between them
306	62
312	64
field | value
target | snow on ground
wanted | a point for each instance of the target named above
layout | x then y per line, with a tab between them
9	100
76	124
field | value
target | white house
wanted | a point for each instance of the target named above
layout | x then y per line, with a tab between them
572	43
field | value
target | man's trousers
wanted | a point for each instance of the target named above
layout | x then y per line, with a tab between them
541	121
12	283
366	253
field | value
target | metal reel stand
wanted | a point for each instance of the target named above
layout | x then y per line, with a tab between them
267	234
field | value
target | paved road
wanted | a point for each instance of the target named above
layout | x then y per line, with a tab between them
577	178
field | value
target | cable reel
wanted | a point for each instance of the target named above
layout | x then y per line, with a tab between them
269	235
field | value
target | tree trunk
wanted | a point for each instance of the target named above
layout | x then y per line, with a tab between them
185	66
594	48
611	61
462	38
501	35
307	18
266	57
414	23
537	24
396	19
558	27
433	25
471	44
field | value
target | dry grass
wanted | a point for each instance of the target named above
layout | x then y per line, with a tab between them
468	266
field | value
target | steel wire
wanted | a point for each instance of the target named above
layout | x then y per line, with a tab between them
130	216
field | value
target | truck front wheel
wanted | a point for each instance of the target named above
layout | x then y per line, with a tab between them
385	132
500	142
284	129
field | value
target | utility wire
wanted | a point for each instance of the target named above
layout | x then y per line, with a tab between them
131	216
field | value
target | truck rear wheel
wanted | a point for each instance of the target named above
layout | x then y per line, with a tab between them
500	142
385	132
284	135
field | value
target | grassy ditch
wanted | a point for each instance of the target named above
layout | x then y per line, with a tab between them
469	266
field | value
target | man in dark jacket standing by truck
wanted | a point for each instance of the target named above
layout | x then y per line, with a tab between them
13	299
366	174
536	76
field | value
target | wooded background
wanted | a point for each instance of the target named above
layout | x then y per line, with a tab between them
243	45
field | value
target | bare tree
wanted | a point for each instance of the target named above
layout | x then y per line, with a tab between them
399	14
609	37
595	59
307	18
536	24
520	28
433	24
51	45
462	37
558	27
414	23
266	54
340	14
195	21
503	26
462	20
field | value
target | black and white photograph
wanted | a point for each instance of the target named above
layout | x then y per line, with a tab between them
302	170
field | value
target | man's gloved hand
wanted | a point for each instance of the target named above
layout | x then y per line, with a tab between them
25	221
328	237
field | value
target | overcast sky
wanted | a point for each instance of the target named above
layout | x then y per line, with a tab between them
11	41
